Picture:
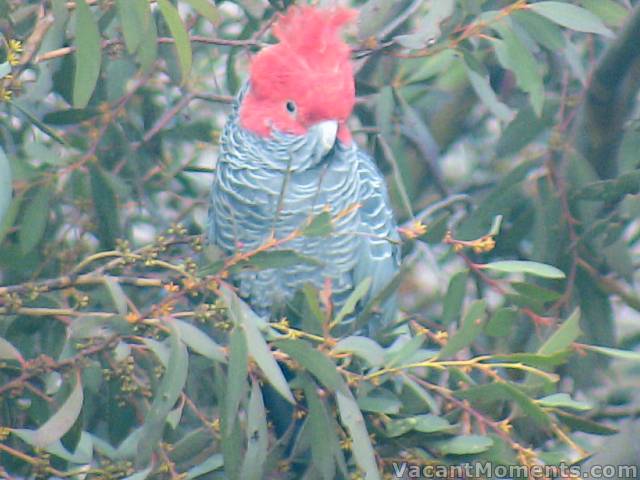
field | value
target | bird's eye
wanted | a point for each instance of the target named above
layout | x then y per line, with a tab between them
291	107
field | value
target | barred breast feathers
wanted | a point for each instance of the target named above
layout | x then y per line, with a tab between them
248	189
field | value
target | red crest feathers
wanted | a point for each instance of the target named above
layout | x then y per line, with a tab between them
308	31
310	66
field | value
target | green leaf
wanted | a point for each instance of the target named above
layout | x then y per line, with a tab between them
180	35
361	290
314	361
200	342
385	106
529	408
312	315
165	397
534	359
519	266
500	201
5	185
400	353
34	220
148	49
211	464
322	453
465	445
583	424
56	448
61	421
83	453
491	393
41	152
237	375
471	327
321	225
117	294
611	12
536	292
159	349
429	26
543	31
611	191
37	123
207	9
373	16
88	55
174	416
363	347
564	336
571	16
431	66
141	475
351	417
501	322
496	225
257	436
380	401
10	216
130	23
231	76
70	116
482	87
246	319
428	423
431	424
106	206
9	352
421	393
563	400
454	299
614	352
521	132
515	56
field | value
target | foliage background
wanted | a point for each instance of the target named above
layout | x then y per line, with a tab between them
509	129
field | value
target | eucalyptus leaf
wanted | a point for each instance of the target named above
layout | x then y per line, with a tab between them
61	421
471	326
351	417
180	35
519	266
200	342
207	9
248	321
563	400
88	55
257	436
5	186
571	16
465	445
34	219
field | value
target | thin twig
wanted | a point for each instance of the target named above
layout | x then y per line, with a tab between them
166	117
61	52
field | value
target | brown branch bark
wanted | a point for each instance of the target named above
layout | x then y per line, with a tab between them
61	52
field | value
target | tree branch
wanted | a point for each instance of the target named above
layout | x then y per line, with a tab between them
609	100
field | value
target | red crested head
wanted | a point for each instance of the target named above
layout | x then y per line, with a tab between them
304	79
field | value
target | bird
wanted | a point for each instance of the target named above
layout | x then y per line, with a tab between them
286	155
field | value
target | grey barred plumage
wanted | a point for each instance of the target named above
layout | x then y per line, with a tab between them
266	186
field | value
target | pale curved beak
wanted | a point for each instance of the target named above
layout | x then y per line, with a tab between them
327	132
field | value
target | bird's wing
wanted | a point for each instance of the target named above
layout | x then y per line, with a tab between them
379	255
